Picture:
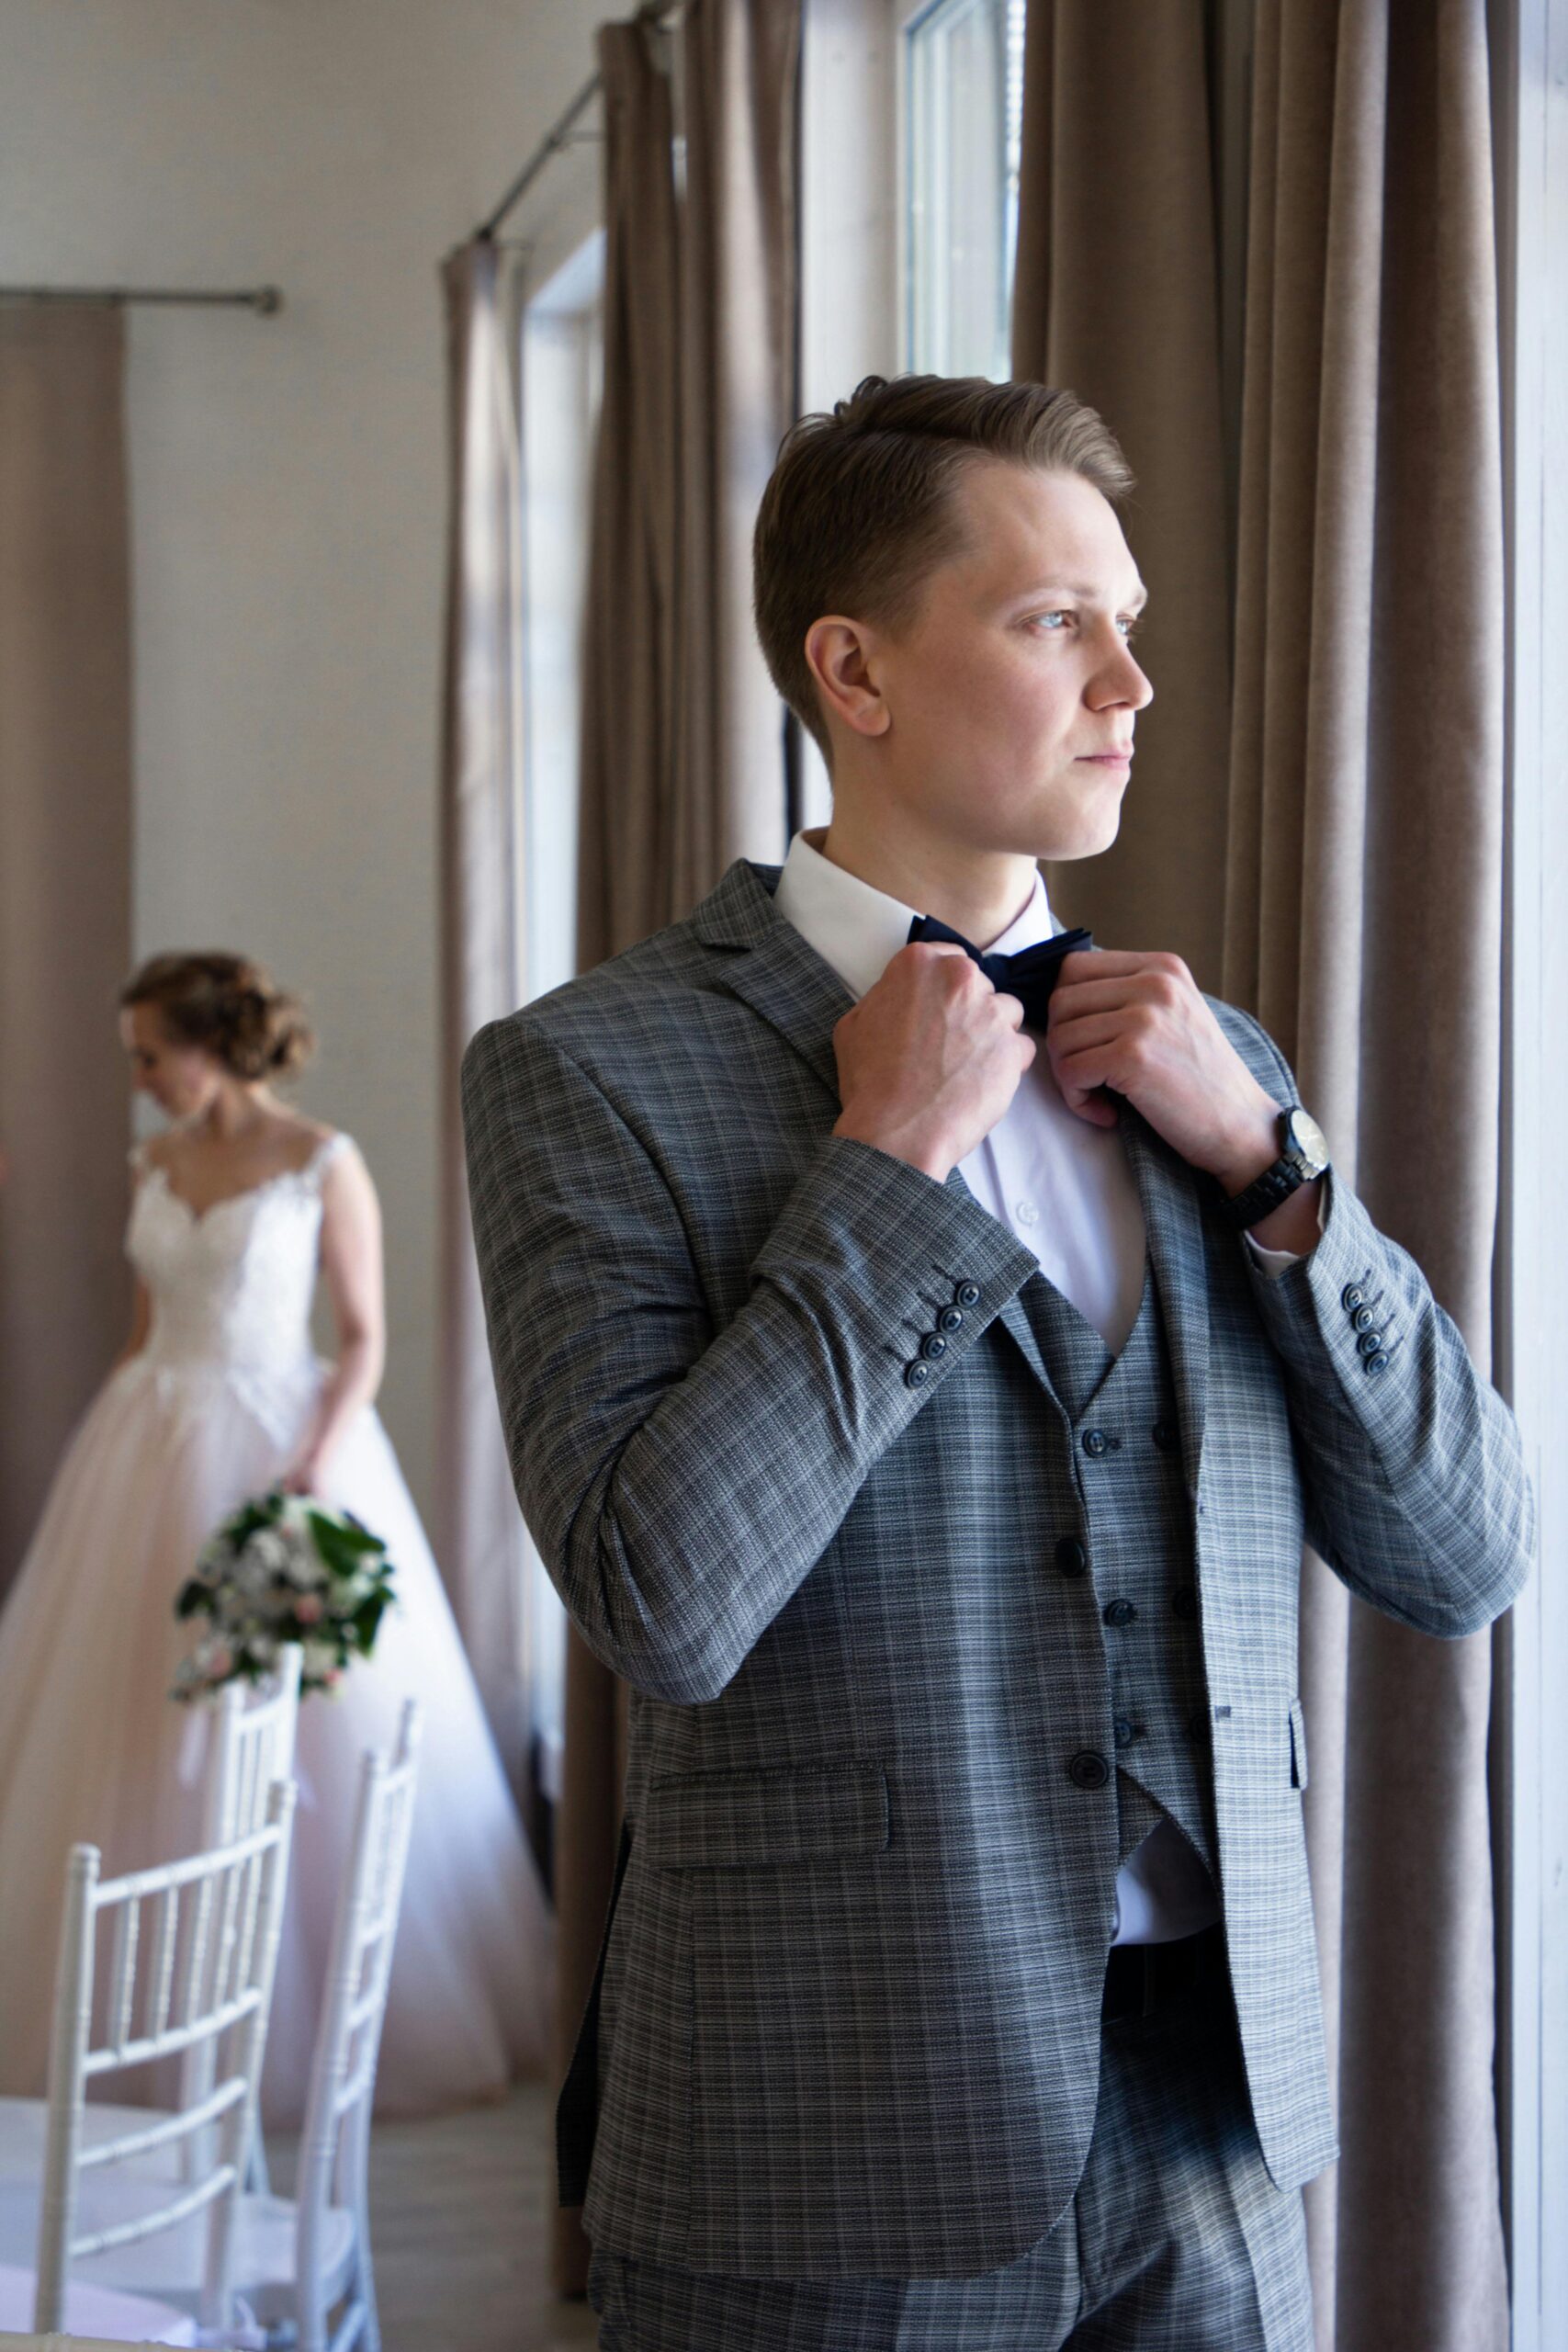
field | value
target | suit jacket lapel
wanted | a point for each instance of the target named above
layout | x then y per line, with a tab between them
1173	1219
771	968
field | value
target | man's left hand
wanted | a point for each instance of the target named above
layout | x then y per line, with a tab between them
1138	1025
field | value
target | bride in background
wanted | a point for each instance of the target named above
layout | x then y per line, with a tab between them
218	1396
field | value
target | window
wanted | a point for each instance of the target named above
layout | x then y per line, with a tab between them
963	108
561	362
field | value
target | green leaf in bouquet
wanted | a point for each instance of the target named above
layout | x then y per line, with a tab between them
349	1536
193	1595
366	1621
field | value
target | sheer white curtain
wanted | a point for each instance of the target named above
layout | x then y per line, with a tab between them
480	1541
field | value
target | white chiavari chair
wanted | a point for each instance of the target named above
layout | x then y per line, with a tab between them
300	2259
250	1743
193	1954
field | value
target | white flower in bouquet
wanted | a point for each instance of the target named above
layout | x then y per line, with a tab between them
284	1568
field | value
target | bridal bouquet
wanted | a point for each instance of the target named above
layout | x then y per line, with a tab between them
284	1568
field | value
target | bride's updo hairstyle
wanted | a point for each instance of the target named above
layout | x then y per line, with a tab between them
229	1007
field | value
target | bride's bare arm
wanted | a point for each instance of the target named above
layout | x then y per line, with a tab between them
141	1324
351	1268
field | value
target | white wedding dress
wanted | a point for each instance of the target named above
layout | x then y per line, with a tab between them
92	1747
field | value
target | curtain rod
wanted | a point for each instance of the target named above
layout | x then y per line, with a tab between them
662	12
266	301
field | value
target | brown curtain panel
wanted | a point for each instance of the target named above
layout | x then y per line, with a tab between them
65	807
479	1538
682	736
1359	841
1114	298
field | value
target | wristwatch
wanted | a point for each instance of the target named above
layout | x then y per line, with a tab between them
1304	1154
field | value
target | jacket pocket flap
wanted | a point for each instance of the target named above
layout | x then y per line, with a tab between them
747	1820
1298	1745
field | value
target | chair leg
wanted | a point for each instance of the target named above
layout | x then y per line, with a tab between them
370	2334
257	2183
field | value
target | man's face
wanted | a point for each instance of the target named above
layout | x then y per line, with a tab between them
1011	695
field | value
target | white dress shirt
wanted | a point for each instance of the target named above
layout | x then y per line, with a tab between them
1065	1189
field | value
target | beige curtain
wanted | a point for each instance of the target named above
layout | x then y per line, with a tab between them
479	1539
1362	915
683	738
65	783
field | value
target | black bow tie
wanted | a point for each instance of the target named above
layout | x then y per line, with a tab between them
1031	975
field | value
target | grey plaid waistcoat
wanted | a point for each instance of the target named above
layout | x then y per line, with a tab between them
851	1994
1115	1450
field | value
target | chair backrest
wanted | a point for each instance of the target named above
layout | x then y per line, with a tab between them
335	2145
252	1747
203	1976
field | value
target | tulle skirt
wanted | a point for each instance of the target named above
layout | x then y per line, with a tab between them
92	1748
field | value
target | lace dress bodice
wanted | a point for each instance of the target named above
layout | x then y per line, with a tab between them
231	1289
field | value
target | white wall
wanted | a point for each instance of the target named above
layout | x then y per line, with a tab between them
289	483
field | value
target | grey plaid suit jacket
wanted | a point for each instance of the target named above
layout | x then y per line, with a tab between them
851	1992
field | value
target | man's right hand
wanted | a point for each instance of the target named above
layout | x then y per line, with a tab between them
929	1058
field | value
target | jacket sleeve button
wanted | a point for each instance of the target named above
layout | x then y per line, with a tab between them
1377	1363
915	1374
933	1346
1350	1297
951	1319
968	1293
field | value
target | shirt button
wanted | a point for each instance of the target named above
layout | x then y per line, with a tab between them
933	1346
1095	1443
1184	1601
1071	1557
1026	1212
915	1374
1119	1613
1350	1297
1089	1768
968	1293
1166	1436
951	1319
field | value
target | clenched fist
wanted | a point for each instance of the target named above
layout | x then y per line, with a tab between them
929	1058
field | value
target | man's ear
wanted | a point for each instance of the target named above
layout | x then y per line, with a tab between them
840	656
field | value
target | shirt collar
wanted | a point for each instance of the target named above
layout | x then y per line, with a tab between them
859	929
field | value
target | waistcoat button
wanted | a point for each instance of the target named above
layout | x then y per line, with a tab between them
1120	1613
1095	1443
1071	1557
1184	1601
1166	1436
1089	1768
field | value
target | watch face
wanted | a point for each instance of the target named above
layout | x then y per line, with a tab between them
1305	1140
